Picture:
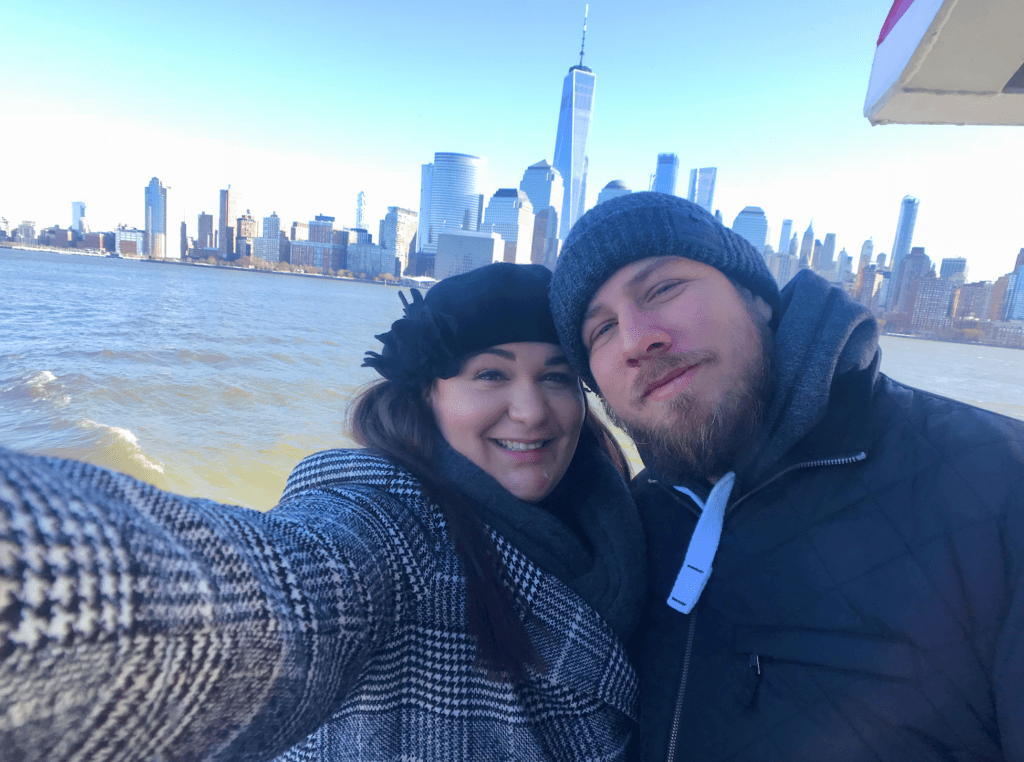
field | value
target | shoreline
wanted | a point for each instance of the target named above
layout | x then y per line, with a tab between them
401	282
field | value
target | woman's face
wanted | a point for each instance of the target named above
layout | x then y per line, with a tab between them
515	410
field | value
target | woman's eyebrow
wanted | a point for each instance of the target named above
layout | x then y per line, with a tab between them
557	360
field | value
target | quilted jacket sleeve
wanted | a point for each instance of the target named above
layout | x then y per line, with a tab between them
139	625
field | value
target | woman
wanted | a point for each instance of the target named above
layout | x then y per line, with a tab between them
458	590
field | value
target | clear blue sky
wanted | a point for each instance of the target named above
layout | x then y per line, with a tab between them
301	106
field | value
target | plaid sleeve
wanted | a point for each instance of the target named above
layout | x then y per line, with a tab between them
137	624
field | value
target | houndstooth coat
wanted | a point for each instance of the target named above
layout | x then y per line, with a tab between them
140	625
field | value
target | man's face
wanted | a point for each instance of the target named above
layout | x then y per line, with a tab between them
682	362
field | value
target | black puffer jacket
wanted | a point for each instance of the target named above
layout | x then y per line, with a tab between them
866	601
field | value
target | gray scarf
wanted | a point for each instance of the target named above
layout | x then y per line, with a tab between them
587	532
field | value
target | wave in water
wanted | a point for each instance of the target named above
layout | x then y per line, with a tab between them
119	445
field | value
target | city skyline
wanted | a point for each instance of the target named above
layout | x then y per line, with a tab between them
798	150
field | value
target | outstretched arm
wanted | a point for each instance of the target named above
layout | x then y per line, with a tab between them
137	625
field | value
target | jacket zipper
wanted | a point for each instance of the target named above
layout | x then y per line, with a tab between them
846	460
678	713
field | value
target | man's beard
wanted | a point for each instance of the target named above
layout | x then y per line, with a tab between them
702	441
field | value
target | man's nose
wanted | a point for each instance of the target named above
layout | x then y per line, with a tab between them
641	334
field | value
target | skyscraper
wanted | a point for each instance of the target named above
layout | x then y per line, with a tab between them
828	252
510	215
226	226
807	246
913	267
361	210
904	231
268	246
702	186
666	174
454	202
397	237
572	142
542	183
614	189
204	239
156	218
78	216
787	233
951	266
184	240
866	250
752	224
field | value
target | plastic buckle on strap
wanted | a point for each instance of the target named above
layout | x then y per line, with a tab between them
688	587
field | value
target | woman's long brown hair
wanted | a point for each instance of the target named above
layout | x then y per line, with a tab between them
397	423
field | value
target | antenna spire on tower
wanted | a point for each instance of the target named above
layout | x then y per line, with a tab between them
586	12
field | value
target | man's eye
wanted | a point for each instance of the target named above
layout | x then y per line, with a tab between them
663	288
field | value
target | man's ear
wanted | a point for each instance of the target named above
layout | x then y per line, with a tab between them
762	308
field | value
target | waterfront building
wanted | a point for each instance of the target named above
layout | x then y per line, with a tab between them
459	251
321	229
816	255
951	266
904	231
455	199
361	210
913	267
78	217
225	224
997	302
5	228
246	231
183	240
973	300
156	219
314	256
752	224
828	253
129	240
397	237
807	246
510	215
867	249
783	266
844	267
25	232
701	190
426	178
880	260
572	141
542	183
932	302
784	238
614	189
1014	300
268	246
369	260
866	286
299	231
204	226
666	174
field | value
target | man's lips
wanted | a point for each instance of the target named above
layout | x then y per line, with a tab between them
666	379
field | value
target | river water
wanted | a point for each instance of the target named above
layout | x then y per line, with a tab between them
215	382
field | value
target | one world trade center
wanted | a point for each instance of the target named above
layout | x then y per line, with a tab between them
572	144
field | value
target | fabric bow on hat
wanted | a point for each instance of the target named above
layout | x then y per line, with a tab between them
419	347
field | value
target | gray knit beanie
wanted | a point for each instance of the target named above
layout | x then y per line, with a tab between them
634	227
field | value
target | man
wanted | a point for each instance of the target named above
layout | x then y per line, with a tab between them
835	558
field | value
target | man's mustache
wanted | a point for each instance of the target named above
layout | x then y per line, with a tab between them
659	366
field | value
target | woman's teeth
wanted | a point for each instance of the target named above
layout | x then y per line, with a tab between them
520	446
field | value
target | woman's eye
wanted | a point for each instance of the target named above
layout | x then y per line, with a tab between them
490	375
560	378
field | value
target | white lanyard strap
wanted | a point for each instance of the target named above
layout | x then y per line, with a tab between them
703	545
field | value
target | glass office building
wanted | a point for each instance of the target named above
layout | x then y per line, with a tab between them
572	143
156	218
454	201
666	174
752	224
702	186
